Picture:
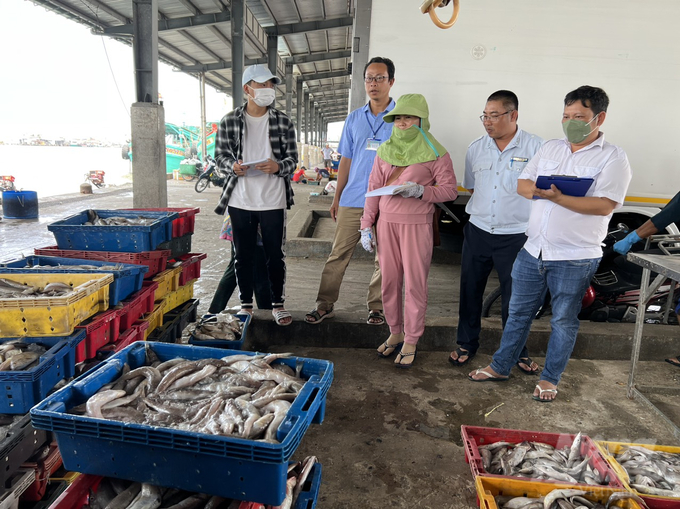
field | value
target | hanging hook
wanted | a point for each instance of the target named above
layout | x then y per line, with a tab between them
431	5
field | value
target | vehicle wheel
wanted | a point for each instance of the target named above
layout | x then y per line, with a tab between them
188	178
202	183
492	304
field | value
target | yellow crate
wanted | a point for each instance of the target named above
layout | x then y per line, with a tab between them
168	281
68	477
155	319
490	487
609	449
53	316
179	296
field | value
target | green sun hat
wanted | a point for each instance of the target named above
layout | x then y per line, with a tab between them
409	104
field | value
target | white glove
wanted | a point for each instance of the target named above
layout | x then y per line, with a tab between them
412	191
367	239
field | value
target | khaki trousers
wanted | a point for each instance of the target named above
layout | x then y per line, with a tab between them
347	236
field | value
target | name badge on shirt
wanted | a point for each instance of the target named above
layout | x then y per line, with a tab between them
514	160
372	144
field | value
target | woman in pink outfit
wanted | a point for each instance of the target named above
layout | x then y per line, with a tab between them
422	170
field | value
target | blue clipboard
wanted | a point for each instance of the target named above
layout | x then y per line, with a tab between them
571	186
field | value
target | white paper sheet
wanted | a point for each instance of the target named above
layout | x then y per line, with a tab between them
388	190
251	171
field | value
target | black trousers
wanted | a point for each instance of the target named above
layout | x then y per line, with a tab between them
227	284
272	225
482	252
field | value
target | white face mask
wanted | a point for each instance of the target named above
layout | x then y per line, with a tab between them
263	96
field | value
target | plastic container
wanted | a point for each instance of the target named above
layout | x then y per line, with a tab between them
20	390
610	449
126	280
101	329
488	488
191	267
226	466
233	345
475	436
178	246
135	307
53	316
174	323
42	469
179	296
187	216
154	319
71	233
52	491
168	281
133	334
154	260
18	483
21	441
20	204
186	312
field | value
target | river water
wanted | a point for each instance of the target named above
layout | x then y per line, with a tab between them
52	171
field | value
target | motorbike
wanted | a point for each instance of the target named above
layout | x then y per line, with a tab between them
95	177
614	290
211	175
200	168
7	183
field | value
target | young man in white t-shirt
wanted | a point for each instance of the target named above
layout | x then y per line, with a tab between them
256	146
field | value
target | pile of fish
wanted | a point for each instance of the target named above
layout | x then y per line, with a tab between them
118	494
12	290
93	219
564	499
541	461
239	395
222	326
16	355
76	267
651	472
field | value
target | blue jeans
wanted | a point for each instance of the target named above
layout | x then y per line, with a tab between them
567	281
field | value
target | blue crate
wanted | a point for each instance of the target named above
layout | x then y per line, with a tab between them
20	390
225	466
308	496
71	233
232	345
126	280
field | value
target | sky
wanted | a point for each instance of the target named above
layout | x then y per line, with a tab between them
61	81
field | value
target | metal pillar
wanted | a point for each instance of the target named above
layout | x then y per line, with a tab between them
362	32
238	8
312	124
204	141
145	49
272	52
289	90
298	107
318	130
307	116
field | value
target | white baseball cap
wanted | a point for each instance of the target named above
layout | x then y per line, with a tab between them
259	73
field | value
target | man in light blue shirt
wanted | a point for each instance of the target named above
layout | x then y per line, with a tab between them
498	218
363	133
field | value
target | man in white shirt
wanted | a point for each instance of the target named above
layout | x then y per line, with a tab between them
327	153
498	219
564	235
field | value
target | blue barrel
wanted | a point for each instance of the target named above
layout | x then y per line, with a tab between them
20	204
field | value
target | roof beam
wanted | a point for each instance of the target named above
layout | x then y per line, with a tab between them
165	25
323	75
329	88
220	65
101	6
310	26
318	57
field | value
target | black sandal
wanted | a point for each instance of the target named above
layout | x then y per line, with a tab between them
406	366
528	361
379	316
461	353
317	317
675	361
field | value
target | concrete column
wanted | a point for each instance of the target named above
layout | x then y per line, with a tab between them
361	31
312	124
204	140
318	130
307	117
145	49
272	52
298	107
149	181
237	55
289	90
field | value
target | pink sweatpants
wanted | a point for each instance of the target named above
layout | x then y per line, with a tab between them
405	253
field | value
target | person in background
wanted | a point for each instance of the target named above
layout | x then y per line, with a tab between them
563	248
327	153
498	219
413	157
364	131
258	195
299	176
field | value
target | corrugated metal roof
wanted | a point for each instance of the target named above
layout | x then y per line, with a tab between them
195	36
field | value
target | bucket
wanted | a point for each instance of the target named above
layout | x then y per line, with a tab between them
20	204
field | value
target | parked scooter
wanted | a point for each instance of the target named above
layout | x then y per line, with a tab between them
211	175
95	177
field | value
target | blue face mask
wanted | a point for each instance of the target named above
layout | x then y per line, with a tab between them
577	130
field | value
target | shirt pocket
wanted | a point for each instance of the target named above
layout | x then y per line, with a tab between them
548	167
587	171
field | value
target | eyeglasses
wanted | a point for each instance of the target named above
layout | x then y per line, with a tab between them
493	118
377	79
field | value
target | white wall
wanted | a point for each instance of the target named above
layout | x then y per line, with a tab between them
542	49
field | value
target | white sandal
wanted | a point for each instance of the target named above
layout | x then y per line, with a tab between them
281	314
541	392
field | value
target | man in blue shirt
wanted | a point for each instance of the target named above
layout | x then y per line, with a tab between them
363	133
498	218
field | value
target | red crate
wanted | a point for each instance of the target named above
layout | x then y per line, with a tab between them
155	260
140	303
191	266
134	333
184	223
78	493
103	328
44	468
475	436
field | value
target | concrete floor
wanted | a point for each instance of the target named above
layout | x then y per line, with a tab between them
391	438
